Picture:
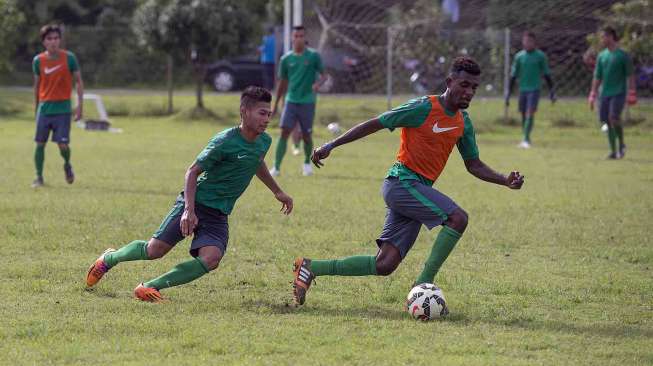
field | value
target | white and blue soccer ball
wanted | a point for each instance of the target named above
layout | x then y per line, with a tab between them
334	128
426	302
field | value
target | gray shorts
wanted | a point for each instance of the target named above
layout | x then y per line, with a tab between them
611	107
411	204
212	228
58	123
302	113
528	101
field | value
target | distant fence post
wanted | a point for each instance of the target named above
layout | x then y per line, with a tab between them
506	69
388	80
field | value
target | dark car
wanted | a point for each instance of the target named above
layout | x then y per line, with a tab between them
343	71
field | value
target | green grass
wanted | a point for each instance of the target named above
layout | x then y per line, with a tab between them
557	273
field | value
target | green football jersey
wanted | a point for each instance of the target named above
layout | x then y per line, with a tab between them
229	163
613	69
301	71
528	68
56	107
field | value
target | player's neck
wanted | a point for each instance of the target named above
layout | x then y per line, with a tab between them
299	51
445	100
52	54
248	134
612	47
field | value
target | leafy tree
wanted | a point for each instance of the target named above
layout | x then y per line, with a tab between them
11	18
196	31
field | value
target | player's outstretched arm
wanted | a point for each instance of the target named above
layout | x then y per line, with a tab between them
282	87
477	168
188	218
510	88
264	175
359	131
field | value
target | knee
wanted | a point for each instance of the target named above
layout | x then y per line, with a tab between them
306	137
155	249
63	146
211	261
285	133
385	266
458	220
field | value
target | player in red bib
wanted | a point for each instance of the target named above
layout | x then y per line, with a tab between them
431	127
54	71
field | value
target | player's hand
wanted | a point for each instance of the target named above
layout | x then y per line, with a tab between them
514	180
631	99
316	87
591	100
320	153
286	202
188	222
552	96
78	113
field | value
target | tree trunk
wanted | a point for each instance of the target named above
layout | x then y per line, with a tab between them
199	76
169	79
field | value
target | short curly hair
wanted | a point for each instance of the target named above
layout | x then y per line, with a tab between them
49	28
467	64
254	94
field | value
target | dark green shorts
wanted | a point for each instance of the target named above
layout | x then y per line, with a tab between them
212	228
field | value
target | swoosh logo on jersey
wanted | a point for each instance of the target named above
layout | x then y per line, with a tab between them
437	129
241	156
51	70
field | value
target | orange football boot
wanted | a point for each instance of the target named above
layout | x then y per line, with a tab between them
97	269
148	294
303	279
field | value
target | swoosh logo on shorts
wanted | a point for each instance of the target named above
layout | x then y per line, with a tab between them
437	129
51	70
241	156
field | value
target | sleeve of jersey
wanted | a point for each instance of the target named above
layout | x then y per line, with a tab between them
36	66
514	69
545	65
211	155
467	142
283	69
410	114
318	63
72	62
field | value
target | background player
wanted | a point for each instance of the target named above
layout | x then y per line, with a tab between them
54	71
613	73
528	68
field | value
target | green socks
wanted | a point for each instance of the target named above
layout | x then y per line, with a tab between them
528	127
182	273
39	157
308	150
281	151
65	154
444	244
134	251
612	138
619	130
360	265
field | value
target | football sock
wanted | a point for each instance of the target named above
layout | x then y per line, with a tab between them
182	273
612	138
528	127
296	145
359	265
444	244
65	154
620	134
39	157
134	251
308	150
281	151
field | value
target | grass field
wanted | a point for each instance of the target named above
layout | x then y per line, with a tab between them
560	272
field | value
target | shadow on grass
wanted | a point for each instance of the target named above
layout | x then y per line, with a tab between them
378	179
604	330
368	312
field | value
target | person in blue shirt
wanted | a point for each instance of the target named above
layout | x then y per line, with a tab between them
268	52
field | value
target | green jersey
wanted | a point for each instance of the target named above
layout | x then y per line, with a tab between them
613	69
229	162
301	71
58	106
528	68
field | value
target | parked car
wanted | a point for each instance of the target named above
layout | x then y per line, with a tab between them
343	71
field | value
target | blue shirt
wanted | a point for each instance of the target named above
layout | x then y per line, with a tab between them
267	49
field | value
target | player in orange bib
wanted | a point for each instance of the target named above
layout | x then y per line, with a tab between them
431	127
54	71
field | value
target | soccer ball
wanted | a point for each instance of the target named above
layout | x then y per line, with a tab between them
426	302
334	128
